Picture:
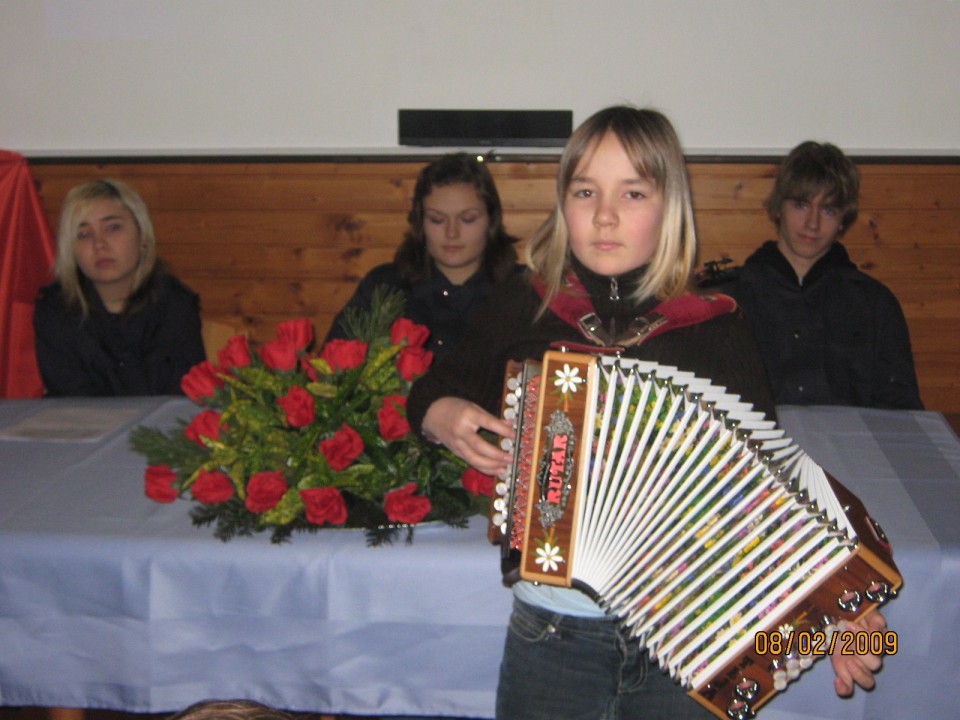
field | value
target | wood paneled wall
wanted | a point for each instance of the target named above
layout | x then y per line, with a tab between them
268	241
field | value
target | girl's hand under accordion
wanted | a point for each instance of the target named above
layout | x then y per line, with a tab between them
858	669
456	423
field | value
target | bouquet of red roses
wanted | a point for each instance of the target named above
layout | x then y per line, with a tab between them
291	441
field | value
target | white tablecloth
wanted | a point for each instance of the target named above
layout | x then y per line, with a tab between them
110	600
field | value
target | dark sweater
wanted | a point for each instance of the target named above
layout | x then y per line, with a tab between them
721	349
438	304
141	353
837	338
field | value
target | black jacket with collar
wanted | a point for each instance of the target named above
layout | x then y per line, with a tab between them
839	337
139	353
507	328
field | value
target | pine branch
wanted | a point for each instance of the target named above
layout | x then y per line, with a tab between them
173	448
368	324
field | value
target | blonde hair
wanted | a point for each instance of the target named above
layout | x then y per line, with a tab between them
231	710
653	148
75	206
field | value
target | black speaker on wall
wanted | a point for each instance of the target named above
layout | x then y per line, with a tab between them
485	128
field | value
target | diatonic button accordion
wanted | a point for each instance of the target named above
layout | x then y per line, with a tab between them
688	516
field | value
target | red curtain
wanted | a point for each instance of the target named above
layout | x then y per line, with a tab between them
26	256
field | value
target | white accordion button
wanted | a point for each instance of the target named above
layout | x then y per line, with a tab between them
828	632
779	679
501	488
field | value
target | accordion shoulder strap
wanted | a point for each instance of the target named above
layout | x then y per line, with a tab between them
575	308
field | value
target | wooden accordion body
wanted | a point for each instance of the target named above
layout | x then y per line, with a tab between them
688	516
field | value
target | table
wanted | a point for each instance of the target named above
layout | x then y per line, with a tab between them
110	600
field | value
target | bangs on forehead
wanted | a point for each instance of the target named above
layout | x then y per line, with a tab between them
85	203
647	159
811	176
647	137
78	212
644	157
807	188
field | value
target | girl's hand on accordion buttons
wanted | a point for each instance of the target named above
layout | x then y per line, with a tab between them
456	423
858	669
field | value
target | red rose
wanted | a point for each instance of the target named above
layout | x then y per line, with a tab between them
403	506
343	448
299	406
159	483
324	505
413	361
477	482
393	422
236	353
299	332
212	487
344	354
404	329
204	424
265	490
279	354
201	381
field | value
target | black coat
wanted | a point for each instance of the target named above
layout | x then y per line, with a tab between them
142	353
839	338
437	303
721	350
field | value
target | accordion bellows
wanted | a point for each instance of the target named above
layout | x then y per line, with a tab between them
689	517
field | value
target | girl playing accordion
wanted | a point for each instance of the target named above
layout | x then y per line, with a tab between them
618	244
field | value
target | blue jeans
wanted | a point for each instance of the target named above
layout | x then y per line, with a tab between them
561	667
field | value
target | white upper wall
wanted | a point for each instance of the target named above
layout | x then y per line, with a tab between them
282	76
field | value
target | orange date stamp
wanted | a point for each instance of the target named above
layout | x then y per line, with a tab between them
818	643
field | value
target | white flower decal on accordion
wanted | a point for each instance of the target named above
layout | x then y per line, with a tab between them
548	557
568	379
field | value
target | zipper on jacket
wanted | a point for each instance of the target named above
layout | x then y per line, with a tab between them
614	297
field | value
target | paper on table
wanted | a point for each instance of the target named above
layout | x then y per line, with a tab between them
78	423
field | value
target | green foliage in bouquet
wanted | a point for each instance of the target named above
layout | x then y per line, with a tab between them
288	441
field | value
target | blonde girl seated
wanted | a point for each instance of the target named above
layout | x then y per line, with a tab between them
115	322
